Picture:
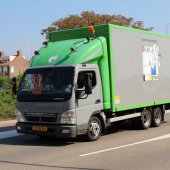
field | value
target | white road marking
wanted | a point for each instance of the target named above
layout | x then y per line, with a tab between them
132	144
8	134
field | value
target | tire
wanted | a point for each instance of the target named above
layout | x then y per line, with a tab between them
145	120
94	129
156	117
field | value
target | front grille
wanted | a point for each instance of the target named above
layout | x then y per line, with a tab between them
41	117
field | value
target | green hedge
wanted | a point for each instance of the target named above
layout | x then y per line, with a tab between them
7	105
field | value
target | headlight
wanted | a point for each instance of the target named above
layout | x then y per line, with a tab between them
68	117
19	116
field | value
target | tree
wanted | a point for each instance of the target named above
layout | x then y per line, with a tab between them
87	18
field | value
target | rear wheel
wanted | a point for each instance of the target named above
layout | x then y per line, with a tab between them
156	117
94	129
145	121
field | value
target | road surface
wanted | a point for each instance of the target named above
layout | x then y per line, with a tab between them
122	148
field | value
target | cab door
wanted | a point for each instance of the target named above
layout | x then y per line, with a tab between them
89	104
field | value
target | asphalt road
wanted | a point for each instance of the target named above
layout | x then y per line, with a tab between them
122	148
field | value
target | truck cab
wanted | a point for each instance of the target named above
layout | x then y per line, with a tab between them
49	102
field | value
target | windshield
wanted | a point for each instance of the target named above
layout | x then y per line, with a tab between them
46	84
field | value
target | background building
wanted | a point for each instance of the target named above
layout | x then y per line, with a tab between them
13	65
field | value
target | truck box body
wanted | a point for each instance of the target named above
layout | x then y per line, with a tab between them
140	69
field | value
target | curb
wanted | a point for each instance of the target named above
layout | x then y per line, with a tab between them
7	123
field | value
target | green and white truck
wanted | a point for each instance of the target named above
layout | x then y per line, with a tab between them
126	76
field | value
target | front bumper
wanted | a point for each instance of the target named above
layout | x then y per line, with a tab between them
55	130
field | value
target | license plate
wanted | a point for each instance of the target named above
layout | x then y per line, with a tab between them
40	128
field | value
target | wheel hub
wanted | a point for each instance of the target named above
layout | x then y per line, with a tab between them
94	129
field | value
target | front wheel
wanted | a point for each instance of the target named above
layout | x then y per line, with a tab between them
94	129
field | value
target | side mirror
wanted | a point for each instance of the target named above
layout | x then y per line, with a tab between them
14	86
88	83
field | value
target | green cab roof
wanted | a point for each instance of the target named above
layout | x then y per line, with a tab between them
60	52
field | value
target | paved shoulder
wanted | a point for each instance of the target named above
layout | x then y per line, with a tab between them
7	123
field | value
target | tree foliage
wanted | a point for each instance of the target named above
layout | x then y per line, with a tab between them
7	102
6	82
87	18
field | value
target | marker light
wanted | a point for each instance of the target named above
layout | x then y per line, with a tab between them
91	29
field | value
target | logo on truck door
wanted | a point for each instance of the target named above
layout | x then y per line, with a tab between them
151	62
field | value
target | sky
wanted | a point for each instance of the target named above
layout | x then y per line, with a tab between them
21	21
